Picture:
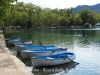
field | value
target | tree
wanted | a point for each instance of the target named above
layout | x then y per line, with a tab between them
4	5
87	16
78	20
63	21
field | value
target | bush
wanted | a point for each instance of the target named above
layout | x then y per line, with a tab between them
86	24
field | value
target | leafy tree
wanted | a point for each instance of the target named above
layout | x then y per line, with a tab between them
87	16
5	4
86	24
63	21
78	20
97	17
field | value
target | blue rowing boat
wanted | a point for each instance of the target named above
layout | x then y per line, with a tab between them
13	41
51	60
41	52
19	47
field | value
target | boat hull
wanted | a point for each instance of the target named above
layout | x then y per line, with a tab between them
27	42
13	42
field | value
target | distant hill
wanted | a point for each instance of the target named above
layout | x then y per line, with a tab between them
94	8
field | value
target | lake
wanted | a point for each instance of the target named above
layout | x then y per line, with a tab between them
85	43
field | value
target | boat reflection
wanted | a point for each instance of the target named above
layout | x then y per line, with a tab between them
54	70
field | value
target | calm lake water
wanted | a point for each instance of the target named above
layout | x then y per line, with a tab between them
85	43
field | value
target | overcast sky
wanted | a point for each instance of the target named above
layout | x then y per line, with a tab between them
60	3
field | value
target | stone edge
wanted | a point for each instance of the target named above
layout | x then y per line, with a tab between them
19	64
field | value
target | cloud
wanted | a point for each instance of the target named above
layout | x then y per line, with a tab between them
61	3
53	3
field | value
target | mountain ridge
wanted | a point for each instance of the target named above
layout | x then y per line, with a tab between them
94	8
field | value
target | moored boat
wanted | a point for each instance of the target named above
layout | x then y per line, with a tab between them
19	47
97	25
41	52
51	60
13	41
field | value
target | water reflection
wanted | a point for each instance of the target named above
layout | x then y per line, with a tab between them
54	70
85	43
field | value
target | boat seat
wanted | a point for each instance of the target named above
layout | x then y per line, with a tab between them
49	58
